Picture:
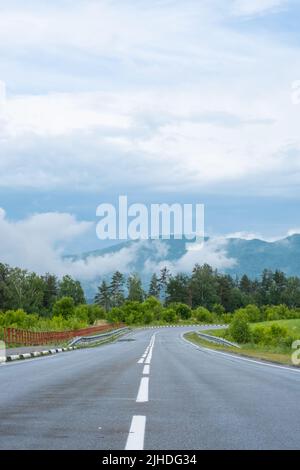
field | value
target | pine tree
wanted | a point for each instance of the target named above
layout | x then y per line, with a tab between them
245	284
116	289
135	290
50	291
154	288
163	282
102	298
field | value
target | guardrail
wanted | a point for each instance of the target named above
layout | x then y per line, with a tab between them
97	338
217	340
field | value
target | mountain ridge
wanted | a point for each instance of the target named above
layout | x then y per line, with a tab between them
249	257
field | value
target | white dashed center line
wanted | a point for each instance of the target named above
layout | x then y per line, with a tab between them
142	395
147	356
135	440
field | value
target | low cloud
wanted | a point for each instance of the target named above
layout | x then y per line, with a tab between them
213	252
38	243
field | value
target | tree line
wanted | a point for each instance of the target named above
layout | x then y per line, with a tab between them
21	289
204	287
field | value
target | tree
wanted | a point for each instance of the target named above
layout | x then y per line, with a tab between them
4	294
291	294
245	284
102	298
154	288
266	285
116	289
68	287
204	287
163	282
50	292
178	289
278	288
64	307
24	290
135	290
218	309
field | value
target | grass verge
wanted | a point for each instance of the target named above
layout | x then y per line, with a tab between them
246	350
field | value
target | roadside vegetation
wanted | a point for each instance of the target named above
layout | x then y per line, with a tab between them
271	340
259	312
247	350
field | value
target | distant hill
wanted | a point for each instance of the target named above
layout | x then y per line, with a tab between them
251	256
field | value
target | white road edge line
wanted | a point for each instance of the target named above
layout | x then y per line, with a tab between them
238	358
142	395
136	436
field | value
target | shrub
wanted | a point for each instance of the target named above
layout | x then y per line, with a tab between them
64	306
115	315
258	334
95	312
226	317
148	317
239	329
153	305
183	311
273	335
278	312
218	309
203	315
81	312
169	315
18	319
133	312
57	322
251	313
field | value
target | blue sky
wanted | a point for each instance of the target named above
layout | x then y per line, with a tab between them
166	101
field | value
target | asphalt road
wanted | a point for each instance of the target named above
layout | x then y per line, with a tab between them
152	392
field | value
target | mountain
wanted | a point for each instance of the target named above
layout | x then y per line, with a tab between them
234	256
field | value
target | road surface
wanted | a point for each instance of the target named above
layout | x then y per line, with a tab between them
149	390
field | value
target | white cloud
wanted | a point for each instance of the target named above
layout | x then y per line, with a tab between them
37	243
256	7
213	252
293	231
189	101
75	139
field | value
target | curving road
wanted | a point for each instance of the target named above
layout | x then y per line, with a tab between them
151	390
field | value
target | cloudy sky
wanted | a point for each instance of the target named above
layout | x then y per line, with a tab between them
162	100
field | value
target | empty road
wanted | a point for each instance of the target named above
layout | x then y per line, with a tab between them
149	390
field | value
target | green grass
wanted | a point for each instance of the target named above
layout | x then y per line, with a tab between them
293	326
276	355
